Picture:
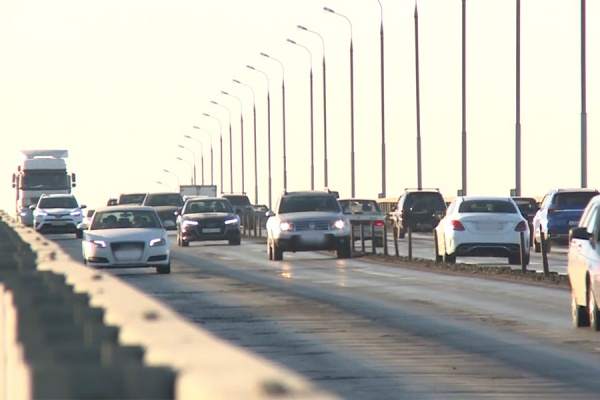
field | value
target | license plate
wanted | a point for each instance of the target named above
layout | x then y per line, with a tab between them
573	223
211	230
58	223
489	226
128	255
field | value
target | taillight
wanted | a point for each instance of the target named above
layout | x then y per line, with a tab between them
402	214
521	226
551	210
379	223
457	225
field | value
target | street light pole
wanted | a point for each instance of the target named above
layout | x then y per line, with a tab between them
201	155
254	135
283	111
241	134
220	147
268	129
230	145
352	174
312	131
325	174
193	158
174	174
164	184
382	65
191	167
211	153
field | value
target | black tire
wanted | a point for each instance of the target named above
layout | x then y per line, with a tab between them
537	247
450	258
344	251
579	314
548	246
593	313
277	252
401	233
164	269
514	259
184	243
79	234
269	251
235	241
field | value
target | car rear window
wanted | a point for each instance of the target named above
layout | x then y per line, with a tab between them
487	206
572	199
360	207
156	200
238	200
526	205
425	201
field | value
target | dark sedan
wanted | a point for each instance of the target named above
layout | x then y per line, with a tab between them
205	219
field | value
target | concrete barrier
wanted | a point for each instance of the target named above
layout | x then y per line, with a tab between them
201	365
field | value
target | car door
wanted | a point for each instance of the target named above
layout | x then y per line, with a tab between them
583	254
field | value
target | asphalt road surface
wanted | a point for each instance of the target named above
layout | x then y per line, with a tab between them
372	331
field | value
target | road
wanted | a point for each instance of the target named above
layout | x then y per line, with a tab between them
372	331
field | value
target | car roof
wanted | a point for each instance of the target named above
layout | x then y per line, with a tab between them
573	190
505	198
308	193
356	199
58	195
124	207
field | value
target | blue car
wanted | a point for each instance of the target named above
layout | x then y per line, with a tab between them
560	211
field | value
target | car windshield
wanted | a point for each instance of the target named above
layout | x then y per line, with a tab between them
291	204
125	219
168	199
204	206
134	198
572	199
360	207
487	206
421	201
526	205
58	202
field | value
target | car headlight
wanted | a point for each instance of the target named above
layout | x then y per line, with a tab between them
23	213
338	224
40	213
158	242
286	226
188	222
75	213
94	244
232	221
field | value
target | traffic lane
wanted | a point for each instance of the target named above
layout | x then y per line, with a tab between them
374	331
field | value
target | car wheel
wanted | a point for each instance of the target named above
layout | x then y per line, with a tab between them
344	251
450	258
514	259
438	256
235	241
579	314
593	311
277	252
269	251
184	243
164	269
537	248
79	234
401	233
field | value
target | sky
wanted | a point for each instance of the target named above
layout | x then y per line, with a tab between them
120	83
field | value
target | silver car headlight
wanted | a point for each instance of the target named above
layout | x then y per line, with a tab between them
158	242
188	222
40	213
75	213
286	226
338	224
232	221
90	245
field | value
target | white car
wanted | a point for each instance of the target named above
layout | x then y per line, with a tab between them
307	221
57	213
482	226
129	236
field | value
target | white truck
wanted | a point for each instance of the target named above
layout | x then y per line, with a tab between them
197	191
40	172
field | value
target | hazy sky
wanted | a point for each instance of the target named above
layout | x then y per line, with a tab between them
119	84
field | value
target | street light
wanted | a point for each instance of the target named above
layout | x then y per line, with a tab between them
174	174
194	159
191	167
312	131
381	47
230	145
201	155
241	134
254	134
283	111
211	153
324	105
220	146
268	128
164	184
329	10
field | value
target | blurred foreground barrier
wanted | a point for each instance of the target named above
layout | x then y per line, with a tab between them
70	331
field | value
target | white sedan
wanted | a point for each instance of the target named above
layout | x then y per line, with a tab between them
482	226
128	236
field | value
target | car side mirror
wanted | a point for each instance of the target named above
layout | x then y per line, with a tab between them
579	232
82	206
82	226
269	214
32	207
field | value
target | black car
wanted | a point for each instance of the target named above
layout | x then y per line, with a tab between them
208	218
242	206
528	207
418	209
165	204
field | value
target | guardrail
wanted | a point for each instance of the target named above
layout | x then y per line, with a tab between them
70	331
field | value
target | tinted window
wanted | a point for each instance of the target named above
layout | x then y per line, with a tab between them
203	206
169	199
238	200
572	199
327	203
487	206
424	201
58	202
360	207
132	198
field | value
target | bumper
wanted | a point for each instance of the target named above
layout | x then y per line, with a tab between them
304	242
196	235
56	226
489	249
104	258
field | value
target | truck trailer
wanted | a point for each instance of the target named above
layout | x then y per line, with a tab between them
39	172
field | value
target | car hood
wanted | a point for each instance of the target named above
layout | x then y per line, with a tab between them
59	211
125	234
297	216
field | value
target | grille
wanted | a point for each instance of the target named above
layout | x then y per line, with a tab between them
127	251
312	225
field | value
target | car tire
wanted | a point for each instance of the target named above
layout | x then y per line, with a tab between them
269	251
537	248
438	256
514	259
79	234
450	258
344	250
277	252
235	241
184	243
164	269
579	314
401	233
593	313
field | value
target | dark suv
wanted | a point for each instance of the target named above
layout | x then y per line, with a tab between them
419	209
242	207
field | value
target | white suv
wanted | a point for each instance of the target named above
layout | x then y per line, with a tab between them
58	213
307	221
